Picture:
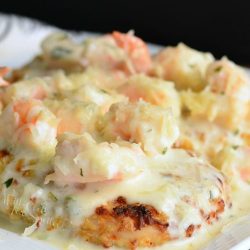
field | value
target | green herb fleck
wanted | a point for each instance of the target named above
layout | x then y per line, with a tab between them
222	92
52	196
235	147
164	151
68	198
211	195
81	172
41	209
104	91
60	52
218	69
236	131
150	130
8	182
192	65
132	141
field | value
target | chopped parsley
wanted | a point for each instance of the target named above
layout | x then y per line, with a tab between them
68	198
164	151
60	52
218	69
132	140
8	182
41	210
52	196
104	91
235	147
236	131
211	195
81	172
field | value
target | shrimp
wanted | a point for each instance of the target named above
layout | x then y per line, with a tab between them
226	78
99	78
3	71
154	128
91	94
61	52
155	91
35	88
74	116
136	50
184	66
220	109
80	159
38	88
245	174
75	87
117	54
225	100
31	126
235	164
111	52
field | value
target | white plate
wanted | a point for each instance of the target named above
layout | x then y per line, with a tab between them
20	39
19	42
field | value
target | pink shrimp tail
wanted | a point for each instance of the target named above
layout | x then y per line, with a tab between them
4	71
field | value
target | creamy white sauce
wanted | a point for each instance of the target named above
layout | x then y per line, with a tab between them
241	207
140	189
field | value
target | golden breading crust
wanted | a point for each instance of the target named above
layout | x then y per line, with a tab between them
126	225
135	225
